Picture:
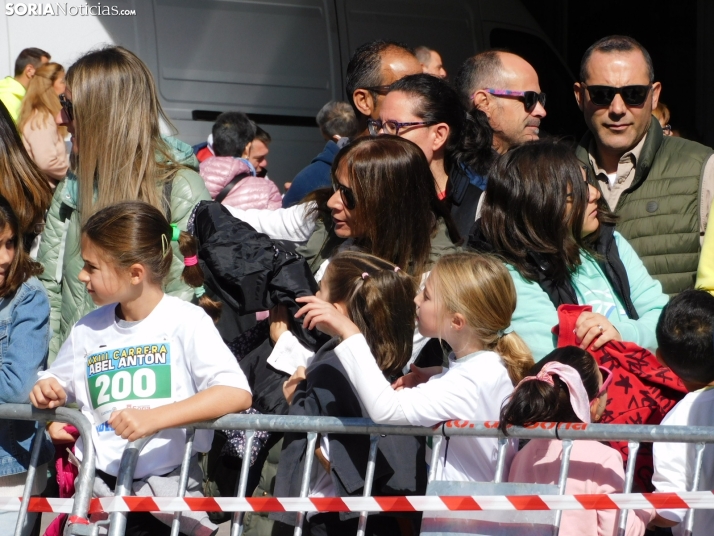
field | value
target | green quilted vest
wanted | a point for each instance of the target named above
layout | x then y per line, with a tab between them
659	213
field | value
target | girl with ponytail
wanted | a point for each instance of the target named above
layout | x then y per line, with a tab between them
569	386
468	301
144	363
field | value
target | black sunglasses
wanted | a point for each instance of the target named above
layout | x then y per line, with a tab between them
67	107
530	99
631	95
347	195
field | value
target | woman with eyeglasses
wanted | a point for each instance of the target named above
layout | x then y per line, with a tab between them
40	121
112	110
21	182
457	144
559	243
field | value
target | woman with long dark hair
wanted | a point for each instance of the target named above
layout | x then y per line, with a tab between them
560	246
457	144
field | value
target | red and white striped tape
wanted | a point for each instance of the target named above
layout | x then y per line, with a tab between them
616	501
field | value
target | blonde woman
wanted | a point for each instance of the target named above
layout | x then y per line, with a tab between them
42	135
112	110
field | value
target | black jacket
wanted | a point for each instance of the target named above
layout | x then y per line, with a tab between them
608	257
463	197
400	467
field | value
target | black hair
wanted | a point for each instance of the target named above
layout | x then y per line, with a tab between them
232	131
365	67
537	401
481	70
684	336
30	56
337	118
615	43
470	136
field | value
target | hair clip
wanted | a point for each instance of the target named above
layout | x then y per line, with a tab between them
175	232
190	261
365	275
164	245
397	268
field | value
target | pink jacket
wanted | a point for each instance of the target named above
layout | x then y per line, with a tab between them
594	468
46	147
250	192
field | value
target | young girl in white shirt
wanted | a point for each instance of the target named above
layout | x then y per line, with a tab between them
143	363
468	302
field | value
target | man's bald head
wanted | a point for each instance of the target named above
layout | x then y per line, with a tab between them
502	71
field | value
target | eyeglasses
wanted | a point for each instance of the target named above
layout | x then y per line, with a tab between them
631	95
379	90
392	127
347	195
530	98
607	380
67	107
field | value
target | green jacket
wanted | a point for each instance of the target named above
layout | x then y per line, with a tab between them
60	246
659	214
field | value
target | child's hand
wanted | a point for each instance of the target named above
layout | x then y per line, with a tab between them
595	329
133	424
279	322
58	435
416	376
290	385
325	317
48	394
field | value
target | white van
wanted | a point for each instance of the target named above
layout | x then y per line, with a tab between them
278	60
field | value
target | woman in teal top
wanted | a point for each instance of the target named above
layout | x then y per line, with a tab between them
560	246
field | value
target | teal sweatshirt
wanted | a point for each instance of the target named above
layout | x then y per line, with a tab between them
535	314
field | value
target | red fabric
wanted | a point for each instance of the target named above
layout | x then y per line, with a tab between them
66	473
203	154
642	391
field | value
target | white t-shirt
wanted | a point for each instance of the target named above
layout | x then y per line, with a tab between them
674	462
472	388
171	355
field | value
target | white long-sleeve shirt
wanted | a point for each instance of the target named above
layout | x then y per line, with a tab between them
472	388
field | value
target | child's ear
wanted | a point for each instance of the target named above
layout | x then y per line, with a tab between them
458	321
137	273
341	308
659	358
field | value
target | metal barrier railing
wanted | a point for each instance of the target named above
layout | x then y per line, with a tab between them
78	523
312	426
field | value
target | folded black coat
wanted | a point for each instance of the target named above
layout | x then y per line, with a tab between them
250	272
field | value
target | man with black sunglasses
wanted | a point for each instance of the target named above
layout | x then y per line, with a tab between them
660	187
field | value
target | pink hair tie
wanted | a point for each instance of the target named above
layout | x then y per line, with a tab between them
190	261
365	275
571	378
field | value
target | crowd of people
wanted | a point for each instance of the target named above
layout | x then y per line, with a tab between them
456	263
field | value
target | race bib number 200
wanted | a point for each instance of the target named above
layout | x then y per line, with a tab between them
134	376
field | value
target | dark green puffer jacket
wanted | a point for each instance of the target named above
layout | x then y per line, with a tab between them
659	214
60	246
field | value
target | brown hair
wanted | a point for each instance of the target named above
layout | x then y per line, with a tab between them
480	288
41	100
22	266
121	154
396	203
380	303
21	182
134	232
